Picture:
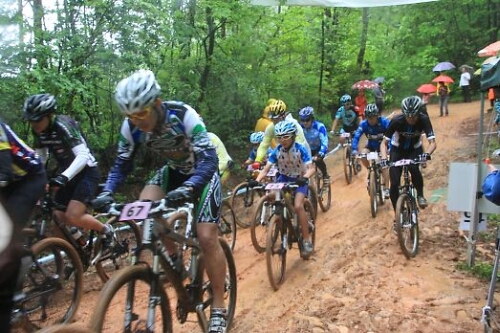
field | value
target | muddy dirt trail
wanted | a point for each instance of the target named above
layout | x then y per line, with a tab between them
358	280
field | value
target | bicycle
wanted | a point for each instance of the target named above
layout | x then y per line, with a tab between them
243	197
349	161
66	328
47	293
407	211
126	235
227	223
162	220
283	230
375	186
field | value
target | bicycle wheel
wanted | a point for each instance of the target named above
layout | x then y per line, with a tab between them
242	200
52	287
66	328
127	237
123	304
230	288
227	224
258	229
373	193
347	164
312	195
380	192
276	251
406	229
324	192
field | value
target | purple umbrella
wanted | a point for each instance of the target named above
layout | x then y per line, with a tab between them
443	66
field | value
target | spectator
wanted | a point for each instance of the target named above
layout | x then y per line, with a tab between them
379	94
443	92
361	102
465	84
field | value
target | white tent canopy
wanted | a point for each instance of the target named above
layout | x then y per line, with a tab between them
337	3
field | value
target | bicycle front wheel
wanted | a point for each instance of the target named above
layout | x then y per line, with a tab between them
258	229
66	328
276	251
242	202
227	224
373	193
128	303
406	228
324	191
127	236
52	287
347	164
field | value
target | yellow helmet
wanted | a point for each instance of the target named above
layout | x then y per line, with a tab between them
265	113
277	108
270	101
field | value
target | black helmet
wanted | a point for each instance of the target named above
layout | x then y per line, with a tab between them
411	106
38	106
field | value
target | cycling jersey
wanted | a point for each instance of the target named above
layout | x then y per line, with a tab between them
269	135
316	137
64	139
349	118
17	159
291	162
404	136
375	134
253	154
180	138
222	154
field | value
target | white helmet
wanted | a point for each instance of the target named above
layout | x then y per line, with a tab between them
136	92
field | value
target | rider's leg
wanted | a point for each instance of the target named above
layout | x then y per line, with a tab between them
364	160
301	214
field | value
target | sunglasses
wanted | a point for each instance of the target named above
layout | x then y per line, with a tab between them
306	120
283	137
141	115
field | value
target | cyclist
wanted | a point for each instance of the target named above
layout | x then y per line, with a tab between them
175	131
317	138
373	127
226	163
255	139
264	121
62	137
406	130
278	113
294	165
22	183
349	116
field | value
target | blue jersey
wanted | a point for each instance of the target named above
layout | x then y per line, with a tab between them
349	118
180	139
291	162
253	153
316	137
375	134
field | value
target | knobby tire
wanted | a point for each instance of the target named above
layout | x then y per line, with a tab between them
405	234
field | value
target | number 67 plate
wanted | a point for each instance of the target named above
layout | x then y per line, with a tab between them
136	210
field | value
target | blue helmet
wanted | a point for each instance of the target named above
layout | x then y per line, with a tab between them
306	113
371	110
345	99
285	127
256	137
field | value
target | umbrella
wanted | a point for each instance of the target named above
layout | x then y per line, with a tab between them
379	79
443	78
490	50
427	88
365	84
469	68
443	66
487	61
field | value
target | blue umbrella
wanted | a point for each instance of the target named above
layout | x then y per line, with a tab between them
443	66
379	79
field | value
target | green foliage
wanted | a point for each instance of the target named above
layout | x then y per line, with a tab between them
480	269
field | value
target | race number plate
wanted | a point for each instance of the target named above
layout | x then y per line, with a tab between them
275	186
345	135
136	210
402	162
372	156
272	172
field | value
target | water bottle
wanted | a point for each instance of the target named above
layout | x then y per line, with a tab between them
77	236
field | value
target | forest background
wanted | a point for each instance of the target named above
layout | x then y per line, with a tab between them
226	58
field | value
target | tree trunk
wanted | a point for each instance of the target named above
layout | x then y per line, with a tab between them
364	38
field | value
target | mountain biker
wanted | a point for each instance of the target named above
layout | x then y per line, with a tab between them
317	138
22	183
174	131
294	164
61	136
406	130
373	127
277	111
348	115
255	139
226	163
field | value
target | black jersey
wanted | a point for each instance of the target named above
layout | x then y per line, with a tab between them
407	137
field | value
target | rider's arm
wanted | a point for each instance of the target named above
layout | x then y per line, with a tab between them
323	137
357	135
431	137
82	157
129	137
334	125
264	145
222	154
264	172
310	171
6	172
383	148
